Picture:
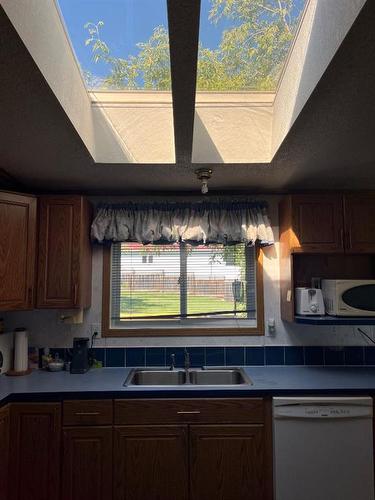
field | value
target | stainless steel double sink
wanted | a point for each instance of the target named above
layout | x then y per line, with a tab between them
178	377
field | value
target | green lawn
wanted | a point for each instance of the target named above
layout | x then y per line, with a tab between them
144	303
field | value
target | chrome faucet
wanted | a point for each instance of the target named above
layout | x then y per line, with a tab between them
187	363
173	362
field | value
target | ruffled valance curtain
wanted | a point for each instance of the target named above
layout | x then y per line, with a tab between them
194	223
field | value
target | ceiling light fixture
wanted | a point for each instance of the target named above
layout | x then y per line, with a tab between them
203	174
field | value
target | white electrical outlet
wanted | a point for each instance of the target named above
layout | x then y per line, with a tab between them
271	326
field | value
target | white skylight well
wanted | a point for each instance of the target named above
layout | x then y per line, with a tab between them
243	48
122	49
258	63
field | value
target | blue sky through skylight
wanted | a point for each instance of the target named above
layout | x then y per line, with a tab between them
129	22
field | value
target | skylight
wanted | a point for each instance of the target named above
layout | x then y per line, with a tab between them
244	44
120	44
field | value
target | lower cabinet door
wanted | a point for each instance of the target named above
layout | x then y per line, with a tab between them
35	435
4	452
227	462
87	463
150	463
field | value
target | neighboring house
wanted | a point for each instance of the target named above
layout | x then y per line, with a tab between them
200	264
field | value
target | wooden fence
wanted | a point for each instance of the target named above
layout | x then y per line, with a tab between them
214	287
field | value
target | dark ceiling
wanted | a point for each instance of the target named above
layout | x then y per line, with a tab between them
330	146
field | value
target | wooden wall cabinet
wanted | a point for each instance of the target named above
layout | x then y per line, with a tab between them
359	216
312	223
64	256
328	236
35	430
18	220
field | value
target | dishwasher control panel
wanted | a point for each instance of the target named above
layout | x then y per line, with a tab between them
326	410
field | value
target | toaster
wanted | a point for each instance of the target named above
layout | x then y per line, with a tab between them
309	301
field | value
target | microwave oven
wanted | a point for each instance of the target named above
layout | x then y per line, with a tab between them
349	297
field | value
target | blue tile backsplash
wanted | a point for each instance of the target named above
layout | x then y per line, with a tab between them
314	355
232	356
215	356
274	355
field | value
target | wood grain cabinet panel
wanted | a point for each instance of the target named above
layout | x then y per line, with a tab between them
227	462
4	452
339	229
64	258
17	251
88	412
35	431
185	411
360	222
150	462
87	463
316	223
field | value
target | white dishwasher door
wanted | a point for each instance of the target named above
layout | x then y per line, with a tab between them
323	448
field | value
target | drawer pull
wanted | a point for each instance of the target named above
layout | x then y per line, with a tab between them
87	413
192	412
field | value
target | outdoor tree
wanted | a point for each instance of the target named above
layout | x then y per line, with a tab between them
249	57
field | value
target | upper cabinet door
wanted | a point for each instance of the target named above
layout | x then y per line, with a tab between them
360	222
17	251
317	223
64	259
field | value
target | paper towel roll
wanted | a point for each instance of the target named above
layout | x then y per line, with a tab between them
20	349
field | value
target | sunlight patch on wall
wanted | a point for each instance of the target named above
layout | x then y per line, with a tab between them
142	121
233	127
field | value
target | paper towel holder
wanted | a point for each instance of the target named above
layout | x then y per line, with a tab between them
19	373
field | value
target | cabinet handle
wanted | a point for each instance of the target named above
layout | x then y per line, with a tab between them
342	237
30	295
87	413
75	294
192	412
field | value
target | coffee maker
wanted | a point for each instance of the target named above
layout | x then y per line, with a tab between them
80	357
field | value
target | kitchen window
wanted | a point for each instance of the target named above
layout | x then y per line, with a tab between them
181	289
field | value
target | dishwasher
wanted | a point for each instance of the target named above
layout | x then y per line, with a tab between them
323	448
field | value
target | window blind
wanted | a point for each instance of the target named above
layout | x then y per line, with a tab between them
182	282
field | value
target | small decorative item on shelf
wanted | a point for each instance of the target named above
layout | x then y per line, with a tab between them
56	365
46	358
33	358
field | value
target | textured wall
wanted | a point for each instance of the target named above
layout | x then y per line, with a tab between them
324	27
233	127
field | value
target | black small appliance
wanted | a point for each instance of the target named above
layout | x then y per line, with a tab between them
80	357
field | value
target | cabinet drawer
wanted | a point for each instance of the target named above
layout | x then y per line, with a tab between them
92	412
173	411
